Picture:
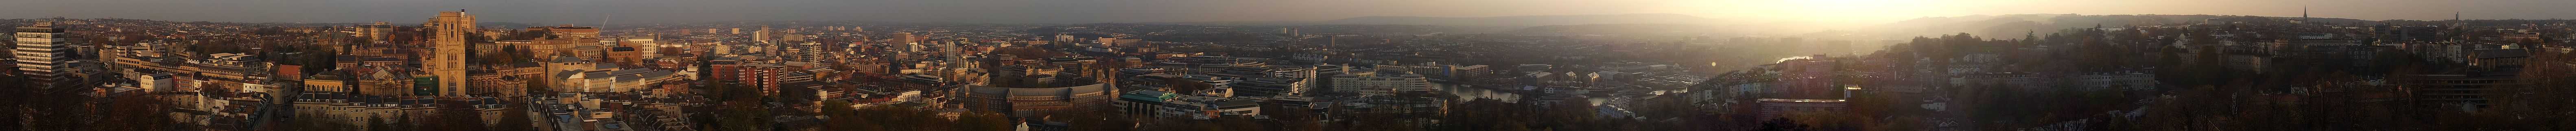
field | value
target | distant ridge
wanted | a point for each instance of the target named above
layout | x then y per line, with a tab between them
1536	20
2020	24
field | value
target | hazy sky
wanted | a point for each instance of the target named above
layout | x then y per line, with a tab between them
1088	11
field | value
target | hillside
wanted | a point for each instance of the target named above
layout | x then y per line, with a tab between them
1524	20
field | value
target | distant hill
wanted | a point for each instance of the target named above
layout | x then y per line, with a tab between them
1619	29
1541	20
2017	24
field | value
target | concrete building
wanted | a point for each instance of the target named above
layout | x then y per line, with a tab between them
2460	89
725	69
43	53
762	35
1014	90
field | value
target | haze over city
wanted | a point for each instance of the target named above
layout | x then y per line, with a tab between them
1287	65
1101	11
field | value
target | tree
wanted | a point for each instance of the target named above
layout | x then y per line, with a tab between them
402	123
1782	124
538	87
1187	86
515	119
983	122
736	117
1096	122
378	124
146	114
839	116
457	115
742	109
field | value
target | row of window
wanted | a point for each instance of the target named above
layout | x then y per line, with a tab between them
30	46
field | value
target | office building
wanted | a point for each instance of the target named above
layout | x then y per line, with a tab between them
43	54
762	35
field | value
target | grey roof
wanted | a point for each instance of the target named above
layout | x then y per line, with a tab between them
594	75
566	74
630	72
566	59
656	73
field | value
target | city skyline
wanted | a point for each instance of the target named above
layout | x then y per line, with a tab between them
1015	11
1325	65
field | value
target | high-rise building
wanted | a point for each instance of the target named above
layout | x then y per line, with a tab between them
906	37
725	69
42	53
762	35
1291	31
948	52
810	52
448	65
